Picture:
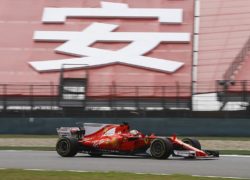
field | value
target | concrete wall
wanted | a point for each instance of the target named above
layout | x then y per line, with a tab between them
159	126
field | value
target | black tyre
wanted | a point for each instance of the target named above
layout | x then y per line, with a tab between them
95	154
161	148
67	147
192	142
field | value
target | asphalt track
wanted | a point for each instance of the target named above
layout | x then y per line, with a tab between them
226	166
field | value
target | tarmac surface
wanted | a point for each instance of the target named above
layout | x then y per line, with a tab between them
225	166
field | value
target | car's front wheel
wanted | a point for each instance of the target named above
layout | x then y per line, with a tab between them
161	148
67	147
193	142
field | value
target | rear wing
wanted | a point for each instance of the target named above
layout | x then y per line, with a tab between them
91	128
85	129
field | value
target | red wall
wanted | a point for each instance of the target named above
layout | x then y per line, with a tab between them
19	20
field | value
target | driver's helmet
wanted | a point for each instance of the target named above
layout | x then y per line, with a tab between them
134	132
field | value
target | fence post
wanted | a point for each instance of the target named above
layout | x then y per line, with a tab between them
4	96
51	94
244	91
31	96
114	96
177	94
111	97
137	97
164	97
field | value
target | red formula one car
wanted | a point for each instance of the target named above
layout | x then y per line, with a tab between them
98	139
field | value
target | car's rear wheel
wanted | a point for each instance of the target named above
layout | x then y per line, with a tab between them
192	142
161	148
67	147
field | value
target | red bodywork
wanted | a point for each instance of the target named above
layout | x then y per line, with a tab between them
115	138
198	152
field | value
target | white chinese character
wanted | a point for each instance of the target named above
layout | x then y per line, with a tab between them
78	44
113	10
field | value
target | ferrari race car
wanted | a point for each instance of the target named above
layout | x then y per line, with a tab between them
98	139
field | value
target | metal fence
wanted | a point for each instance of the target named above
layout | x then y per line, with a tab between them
112	97
28	89
106	96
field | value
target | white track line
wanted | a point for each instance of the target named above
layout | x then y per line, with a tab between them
235	155
219	177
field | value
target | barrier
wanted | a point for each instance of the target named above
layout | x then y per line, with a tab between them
159	126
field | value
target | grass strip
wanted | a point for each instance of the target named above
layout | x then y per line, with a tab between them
27	136
223	138
235	152
10	174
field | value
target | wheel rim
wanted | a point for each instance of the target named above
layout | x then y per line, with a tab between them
63	146
157	148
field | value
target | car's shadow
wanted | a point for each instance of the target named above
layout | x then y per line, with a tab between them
114	157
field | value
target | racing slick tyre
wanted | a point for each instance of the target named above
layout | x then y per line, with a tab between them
161	148
67	147
192	142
